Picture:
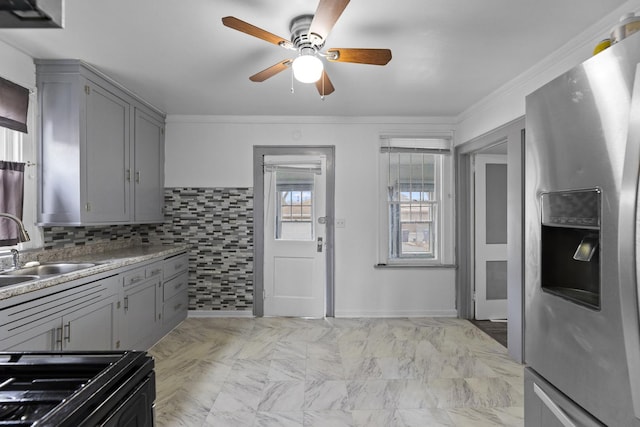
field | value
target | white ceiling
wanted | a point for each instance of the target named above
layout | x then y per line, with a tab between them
447	55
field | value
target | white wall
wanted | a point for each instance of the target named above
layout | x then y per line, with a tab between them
217	152
508	102
16	66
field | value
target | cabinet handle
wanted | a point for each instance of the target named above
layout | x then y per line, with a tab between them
178	267
177	307
126	303
67	327
156	272
59	336
127	175
137	177
178	285
135	279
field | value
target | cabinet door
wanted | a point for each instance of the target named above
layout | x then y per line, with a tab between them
149	168
107	174
45	337
139	316
91	327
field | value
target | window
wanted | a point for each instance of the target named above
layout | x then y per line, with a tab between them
293	182
416	205
294	214
20	147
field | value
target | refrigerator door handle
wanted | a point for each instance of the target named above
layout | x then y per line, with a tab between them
562	417
629	246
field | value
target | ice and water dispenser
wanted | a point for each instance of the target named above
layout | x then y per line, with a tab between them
570	246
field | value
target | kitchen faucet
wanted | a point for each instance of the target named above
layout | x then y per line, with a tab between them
23	236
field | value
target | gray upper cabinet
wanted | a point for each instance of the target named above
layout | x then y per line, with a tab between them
148	173
101	149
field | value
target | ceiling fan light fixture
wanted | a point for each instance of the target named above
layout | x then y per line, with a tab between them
307	68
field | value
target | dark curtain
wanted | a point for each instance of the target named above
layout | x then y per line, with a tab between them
11	197
14	103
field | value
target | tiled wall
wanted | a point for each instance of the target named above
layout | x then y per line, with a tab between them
216	223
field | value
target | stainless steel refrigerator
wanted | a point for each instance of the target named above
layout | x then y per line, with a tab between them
582	162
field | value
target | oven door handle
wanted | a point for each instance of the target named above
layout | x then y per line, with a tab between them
553	407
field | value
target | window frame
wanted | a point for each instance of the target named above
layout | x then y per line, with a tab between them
441	147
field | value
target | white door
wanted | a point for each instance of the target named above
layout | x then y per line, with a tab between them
294	236
490	236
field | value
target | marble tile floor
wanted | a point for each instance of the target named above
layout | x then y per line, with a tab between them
335	372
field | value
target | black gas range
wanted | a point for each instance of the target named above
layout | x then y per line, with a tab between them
77	389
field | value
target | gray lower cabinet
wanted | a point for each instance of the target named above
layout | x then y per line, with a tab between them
79	317
140	315
175	296
101	149
131	309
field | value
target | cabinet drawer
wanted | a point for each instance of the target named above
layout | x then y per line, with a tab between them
175	285
176	307
175	265
140	274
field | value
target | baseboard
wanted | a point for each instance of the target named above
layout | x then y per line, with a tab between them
399	313
220	313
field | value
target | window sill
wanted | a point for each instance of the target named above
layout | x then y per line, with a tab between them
415	265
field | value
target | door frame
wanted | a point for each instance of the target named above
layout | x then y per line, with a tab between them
513	134
259	151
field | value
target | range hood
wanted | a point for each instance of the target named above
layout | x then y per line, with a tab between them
31	13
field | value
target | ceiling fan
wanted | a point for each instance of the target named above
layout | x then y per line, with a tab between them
308	34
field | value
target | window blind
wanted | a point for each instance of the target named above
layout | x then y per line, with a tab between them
415	145
14	104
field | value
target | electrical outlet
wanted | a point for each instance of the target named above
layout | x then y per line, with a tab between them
340	222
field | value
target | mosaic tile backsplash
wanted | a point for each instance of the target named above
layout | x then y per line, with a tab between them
217	223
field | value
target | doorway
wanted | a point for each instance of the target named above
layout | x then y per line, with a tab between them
294	236
511	135
293	231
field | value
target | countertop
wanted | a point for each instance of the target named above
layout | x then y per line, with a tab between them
105	260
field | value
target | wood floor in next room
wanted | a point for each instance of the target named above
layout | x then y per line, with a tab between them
335	372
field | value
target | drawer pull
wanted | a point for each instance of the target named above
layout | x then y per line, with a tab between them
156	272
178	266
177	307
178	285
135	279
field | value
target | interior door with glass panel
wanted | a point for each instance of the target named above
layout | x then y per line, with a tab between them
294	236
490	236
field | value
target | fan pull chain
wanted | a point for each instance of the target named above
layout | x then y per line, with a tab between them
292	91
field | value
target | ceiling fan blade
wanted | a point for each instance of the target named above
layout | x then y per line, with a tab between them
324	85
252	30
360	56
325	18
271	71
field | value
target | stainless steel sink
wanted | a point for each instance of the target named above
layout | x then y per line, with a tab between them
48	269
14	280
